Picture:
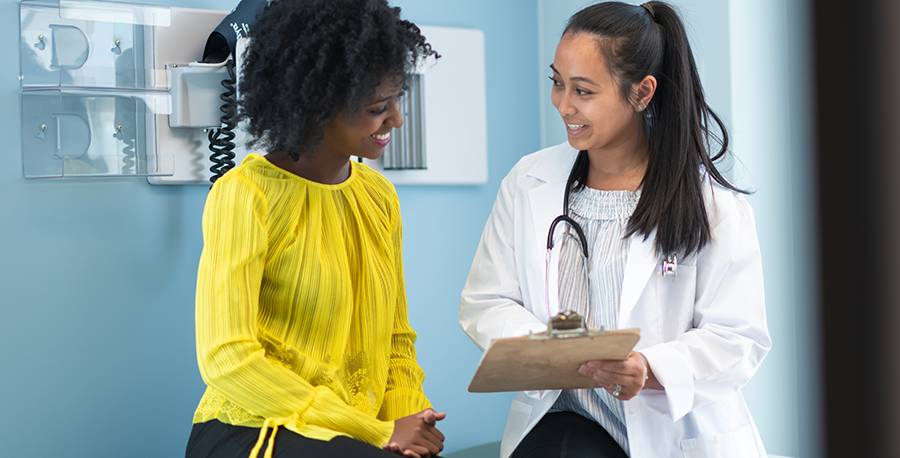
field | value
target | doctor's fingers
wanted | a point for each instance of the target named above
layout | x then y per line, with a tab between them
627	370
610	380
625	392
622	387
632	365
630	383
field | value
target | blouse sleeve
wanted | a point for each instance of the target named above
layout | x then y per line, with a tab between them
231	359
404	395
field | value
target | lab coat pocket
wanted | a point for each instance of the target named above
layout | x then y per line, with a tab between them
676	297
734	444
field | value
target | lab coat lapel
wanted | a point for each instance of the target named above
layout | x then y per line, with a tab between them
546	204
546	200
638	270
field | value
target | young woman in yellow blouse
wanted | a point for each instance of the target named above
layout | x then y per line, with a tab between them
302	331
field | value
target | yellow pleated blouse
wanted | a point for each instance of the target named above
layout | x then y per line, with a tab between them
301	307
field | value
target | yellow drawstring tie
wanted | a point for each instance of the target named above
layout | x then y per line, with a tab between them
274	423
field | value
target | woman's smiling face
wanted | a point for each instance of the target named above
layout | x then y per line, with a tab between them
366	132
589	98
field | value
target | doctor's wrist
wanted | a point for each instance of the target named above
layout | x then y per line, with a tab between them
650	381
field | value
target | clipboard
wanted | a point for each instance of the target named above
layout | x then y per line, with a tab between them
550	360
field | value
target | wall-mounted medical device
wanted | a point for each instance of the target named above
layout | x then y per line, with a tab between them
118	89
90	94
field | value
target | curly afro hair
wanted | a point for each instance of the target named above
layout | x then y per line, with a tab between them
310	60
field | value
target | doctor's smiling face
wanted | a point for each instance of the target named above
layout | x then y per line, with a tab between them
589	99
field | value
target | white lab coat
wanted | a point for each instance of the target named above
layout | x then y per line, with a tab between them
704	333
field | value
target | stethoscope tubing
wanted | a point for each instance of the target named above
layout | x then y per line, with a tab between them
669	266
574	225
584	250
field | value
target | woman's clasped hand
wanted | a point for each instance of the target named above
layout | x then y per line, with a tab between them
416	436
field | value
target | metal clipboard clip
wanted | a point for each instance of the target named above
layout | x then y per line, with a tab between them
567	324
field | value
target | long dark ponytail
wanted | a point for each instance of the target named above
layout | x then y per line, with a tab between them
650	39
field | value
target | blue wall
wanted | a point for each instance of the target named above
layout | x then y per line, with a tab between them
97	275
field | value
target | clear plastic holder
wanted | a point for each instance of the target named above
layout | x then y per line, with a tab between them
89	44
90	133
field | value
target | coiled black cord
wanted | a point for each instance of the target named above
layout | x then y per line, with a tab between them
221	140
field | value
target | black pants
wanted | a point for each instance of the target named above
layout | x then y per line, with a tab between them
567	434
214	439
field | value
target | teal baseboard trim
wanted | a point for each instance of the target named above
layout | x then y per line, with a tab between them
491	450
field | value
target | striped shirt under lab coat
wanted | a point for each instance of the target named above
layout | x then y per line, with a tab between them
603	215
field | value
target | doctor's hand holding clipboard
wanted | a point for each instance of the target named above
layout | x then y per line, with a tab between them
627	378
653	238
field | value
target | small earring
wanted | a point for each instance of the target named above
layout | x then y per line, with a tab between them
640	107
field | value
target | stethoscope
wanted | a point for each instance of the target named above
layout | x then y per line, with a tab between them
584	251
669	266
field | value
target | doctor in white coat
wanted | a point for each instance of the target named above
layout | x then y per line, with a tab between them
625	84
